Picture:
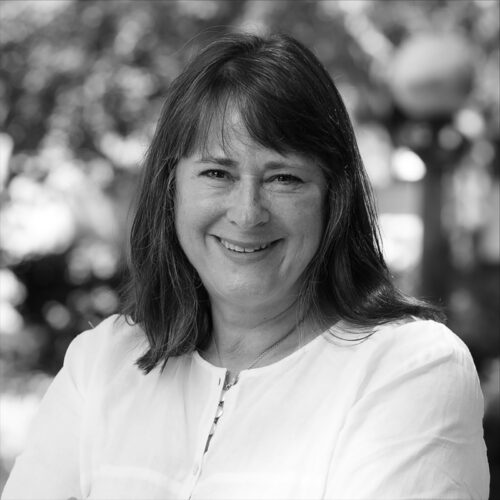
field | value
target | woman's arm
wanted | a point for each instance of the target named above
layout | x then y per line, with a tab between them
48	468
416	433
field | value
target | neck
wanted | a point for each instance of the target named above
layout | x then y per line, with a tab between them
240	336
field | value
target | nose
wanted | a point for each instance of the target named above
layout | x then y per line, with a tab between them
246	208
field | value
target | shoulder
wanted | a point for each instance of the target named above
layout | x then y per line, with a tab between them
422	349
110	346
114	335
423	354
407	338
115	330
419	342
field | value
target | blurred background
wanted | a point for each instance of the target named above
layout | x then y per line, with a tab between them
81	88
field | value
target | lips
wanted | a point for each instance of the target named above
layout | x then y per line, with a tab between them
241	247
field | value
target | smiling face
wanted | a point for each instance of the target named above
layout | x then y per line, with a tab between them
249	219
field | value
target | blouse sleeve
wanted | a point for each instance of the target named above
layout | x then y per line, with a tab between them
415	432
49	465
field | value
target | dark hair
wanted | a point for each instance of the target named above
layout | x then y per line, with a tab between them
288	103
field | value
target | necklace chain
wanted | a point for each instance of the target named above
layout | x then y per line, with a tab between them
271	347
266	351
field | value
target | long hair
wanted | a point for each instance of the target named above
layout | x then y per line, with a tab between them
289	103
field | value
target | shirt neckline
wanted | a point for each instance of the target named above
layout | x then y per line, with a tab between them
264	370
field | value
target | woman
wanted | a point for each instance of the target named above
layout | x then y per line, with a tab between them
263	351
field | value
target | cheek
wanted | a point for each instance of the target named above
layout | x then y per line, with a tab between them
186	201
193	218
309	221
186	223
185	220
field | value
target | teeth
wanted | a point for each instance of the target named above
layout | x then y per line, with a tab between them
236	248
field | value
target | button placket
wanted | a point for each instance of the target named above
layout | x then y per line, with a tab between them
227	384
198	464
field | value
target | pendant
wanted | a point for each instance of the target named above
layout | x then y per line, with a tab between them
228	383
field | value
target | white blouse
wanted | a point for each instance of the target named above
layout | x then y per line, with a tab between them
396	416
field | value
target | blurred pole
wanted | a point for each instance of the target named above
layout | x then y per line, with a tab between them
6	148
436	265
431	77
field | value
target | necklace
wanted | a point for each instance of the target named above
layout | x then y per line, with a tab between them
229	383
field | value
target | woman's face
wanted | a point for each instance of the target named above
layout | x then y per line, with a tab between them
249	219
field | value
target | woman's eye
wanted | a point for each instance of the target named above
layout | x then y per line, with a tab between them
215	174
286	179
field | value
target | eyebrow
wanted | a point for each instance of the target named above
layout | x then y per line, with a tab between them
228	162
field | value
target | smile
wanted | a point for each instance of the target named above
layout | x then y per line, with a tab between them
247	248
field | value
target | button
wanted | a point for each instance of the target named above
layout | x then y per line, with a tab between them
220	410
